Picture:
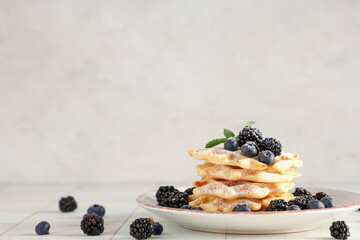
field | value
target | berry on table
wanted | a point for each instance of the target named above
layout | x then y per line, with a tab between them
328	202
277	205
157	228
267	157
231	144
249	149
315	204
42	228
339	230
242	208
92	224
141	228
67	204
97	209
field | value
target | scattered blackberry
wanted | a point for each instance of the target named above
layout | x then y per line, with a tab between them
249	133
339	230
320	195
67	204
277	205
301	192
174	199
92	224
300	201
141	228
97	209
270	144
189	191
162	190
42	228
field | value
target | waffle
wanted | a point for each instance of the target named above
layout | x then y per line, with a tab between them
235	173
211	203
284	162
238	189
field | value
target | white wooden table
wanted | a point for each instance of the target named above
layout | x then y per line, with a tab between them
22	206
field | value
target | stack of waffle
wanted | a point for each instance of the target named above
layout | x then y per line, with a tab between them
230	178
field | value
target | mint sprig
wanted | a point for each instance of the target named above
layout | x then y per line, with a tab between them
215	142
249	124
228	133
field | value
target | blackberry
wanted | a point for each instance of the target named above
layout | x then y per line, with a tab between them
174	199
320	195
189	191
67	204
270	144
301	192
249	133
339	230
277	205
162	190
92	224
300	201
141	228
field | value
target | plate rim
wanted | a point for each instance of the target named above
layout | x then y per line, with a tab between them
311	211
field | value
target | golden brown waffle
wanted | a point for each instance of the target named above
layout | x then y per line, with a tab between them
211	203
238	189
235	173
284	162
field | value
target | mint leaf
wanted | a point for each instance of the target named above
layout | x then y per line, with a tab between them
215	142
249	123
228	133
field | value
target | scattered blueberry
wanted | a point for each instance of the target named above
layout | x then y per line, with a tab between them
293	208
157	228
186	207
42	228
242	208
249	149
315	204
97	209
328	202
231	144
197	208
267	157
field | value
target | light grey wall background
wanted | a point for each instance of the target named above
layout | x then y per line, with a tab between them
120	90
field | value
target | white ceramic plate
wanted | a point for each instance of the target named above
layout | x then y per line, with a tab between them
256	222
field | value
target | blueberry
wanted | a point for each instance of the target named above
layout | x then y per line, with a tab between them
157	228
267	157
231	144
242	208
42	228
197	208
249	149
328	202
315	204
97	209
293	208
186	207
